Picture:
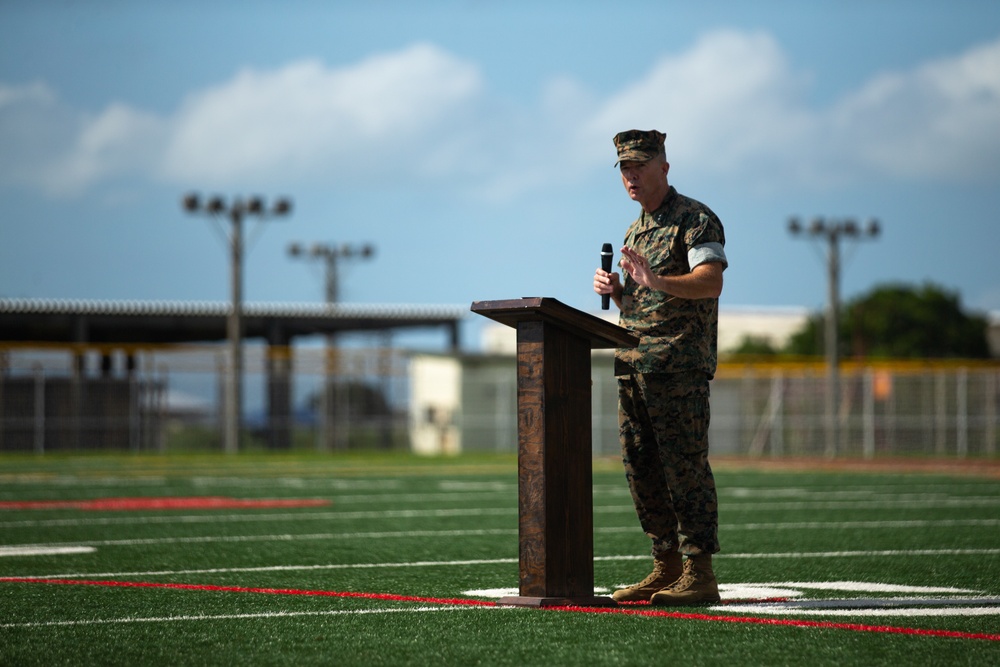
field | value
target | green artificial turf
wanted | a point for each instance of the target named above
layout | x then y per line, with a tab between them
413	536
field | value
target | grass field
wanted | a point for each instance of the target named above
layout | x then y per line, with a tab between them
392	560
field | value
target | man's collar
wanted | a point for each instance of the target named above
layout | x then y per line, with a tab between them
656	218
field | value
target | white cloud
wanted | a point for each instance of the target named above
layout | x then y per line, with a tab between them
722	104
305	116
941	120
411	109
32	93
34	131
732	104
119	140
60	151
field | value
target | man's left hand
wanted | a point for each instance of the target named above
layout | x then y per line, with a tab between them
637	267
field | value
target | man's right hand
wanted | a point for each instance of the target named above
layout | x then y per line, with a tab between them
608	283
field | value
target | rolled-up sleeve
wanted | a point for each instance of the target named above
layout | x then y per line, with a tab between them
707	252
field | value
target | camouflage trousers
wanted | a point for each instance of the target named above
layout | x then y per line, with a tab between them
663	425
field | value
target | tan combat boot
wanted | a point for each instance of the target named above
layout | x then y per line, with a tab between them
666	570
696	585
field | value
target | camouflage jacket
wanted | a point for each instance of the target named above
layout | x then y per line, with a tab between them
676	335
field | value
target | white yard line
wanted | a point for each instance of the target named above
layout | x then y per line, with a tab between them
866	554
879	611
305	515
498	561
45	550
882	524
226	617
918	501
403	534
286	537
135	518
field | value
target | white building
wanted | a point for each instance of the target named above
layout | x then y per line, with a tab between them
469	402
775	324
440	400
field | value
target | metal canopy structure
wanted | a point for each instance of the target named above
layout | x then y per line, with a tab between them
131	322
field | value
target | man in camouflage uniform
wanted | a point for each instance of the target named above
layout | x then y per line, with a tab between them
672	264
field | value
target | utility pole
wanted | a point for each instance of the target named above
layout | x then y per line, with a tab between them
832	231
236	211
330	255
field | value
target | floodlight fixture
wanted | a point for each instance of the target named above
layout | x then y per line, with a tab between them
236	211
330	254
832	230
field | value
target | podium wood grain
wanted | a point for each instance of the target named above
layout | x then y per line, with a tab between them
555	491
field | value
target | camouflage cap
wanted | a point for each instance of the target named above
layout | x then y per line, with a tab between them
638	145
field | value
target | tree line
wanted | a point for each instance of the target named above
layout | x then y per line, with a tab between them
892	321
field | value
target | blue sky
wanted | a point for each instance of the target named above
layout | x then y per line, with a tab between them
470	142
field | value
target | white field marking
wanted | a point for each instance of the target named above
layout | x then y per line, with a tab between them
73	480
44	550
510	592
867	494
879	611
496	561
269	568
755	592
457	512
861	607
868	587
276	538
408	498
351	484
203	481
839	525
226	617
764	591
297	483
792	589
863	494
404	534
836	525
919	501
862	554
257	518
464	486
494	592
891	490
464	497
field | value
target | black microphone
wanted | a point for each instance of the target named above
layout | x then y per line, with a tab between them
606	255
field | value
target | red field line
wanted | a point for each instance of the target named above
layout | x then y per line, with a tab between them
185	503
753	620
247	589
825	625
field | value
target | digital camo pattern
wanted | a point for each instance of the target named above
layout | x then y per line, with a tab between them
663	425
676	335
639	145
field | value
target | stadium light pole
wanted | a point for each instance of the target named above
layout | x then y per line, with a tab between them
330	255
832	231
215	207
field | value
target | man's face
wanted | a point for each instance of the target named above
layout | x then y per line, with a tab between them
644	180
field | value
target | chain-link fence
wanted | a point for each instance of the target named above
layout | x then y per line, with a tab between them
168	399
780	410
171	398
945	409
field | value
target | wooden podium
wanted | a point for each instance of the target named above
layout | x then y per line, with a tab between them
554	452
